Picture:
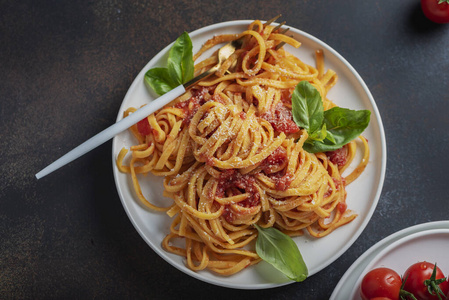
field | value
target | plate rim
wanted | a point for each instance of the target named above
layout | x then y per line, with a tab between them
381	148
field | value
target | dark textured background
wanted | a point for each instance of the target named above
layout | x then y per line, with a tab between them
65	68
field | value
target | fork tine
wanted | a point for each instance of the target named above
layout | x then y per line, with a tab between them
273	19
223	53
279	27
278	46
285	30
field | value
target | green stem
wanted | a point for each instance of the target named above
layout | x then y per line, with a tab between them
433	284
405	295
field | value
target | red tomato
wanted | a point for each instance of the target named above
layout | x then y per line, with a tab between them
143	126
381	282
436	10
418	276
339	156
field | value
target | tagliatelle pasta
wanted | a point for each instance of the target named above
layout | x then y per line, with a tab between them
232	156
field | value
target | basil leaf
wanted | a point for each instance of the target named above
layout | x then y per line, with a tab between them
330	137
159	80
318	135
179	69
307	107
344	125
328	130
180	63
280	250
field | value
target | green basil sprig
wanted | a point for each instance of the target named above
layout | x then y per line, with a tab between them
179	68
280	250
328	130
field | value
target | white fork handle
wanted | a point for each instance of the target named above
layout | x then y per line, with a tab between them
112	131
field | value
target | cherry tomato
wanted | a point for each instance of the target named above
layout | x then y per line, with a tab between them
436	10
418	275
381	282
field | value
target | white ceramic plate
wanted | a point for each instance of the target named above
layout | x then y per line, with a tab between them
428	245
397	252
350	92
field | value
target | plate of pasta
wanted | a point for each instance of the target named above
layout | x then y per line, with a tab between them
197	177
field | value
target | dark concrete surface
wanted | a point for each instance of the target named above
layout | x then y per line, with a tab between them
65	68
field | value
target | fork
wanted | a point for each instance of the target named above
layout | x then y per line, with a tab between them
227	50
108	133
223	54
138	115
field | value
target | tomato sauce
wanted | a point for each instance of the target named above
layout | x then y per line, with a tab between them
342	206
228	214
339	184
274	161
281	119
191	106
283	183
338	157
286	96
143	126
272	166
234	181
